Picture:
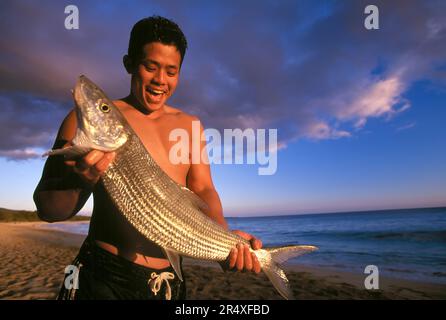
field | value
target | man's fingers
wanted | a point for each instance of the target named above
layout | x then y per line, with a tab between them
243	259
247	258
232	258
103	163
93	165
89	160
256	264
256	243
240	257
93	157
70	163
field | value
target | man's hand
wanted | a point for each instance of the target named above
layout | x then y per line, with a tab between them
92	165
241	258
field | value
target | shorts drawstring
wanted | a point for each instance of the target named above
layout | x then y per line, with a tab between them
107	276
156	280
72	292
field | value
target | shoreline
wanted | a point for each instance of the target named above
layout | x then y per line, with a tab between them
289	265
37	273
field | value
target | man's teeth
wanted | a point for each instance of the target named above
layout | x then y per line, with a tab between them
154	91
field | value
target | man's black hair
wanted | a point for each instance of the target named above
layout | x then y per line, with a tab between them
155	29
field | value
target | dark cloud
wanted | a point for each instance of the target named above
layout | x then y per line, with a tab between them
308	68
28	122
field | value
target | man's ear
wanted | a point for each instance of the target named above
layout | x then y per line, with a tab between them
128	64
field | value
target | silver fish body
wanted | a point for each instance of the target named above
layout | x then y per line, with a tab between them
162	210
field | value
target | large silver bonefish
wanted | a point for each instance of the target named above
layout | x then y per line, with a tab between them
159	208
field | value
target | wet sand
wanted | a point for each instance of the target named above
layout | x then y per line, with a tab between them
32	263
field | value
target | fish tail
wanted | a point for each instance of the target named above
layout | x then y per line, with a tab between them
271	265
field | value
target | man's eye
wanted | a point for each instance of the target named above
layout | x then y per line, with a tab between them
171	72
149	68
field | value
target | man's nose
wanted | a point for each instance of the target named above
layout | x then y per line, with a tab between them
159	77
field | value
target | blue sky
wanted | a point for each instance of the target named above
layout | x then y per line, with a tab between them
360	114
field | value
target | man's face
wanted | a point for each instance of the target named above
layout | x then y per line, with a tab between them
156	75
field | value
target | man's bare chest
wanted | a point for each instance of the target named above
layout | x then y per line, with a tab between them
156	138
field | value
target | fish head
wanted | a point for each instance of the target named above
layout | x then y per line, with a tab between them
101	125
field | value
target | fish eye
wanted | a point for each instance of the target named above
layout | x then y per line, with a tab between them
104	108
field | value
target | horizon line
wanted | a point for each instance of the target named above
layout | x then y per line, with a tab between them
286	215
338	212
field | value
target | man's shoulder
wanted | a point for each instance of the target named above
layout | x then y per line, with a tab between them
183	116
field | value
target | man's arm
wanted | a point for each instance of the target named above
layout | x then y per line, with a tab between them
65	186
59	194
199	180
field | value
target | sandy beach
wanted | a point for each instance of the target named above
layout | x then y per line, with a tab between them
32	262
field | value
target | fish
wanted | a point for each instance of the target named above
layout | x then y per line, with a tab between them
162	210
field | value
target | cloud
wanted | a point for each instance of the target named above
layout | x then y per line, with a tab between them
24	154
27	123
378	99
309	79
42	58
309	69
406	126
321	130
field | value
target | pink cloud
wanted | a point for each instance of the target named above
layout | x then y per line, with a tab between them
383	98
321	130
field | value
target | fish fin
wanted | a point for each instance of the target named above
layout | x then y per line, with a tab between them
81	146
175	261
273	271
282	254
69	152
279	281
194	199
81	139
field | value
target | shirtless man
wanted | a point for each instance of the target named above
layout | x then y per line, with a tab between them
116	262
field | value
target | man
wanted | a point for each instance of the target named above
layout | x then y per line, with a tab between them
116	262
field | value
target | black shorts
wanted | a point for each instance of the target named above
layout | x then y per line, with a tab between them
97	274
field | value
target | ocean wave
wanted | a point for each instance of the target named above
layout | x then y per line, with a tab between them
439	236
400	270
439	274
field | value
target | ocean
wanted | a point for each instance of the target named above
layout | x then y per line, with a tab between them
406	244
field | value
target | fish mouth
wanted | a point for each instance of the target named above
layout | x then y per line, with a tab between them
83	86
83	81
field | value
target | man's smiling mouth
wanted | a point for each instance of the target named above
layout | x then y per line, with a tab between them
154	92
